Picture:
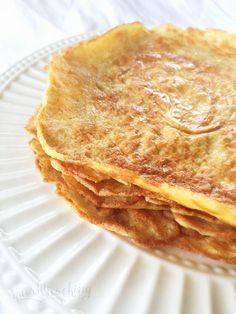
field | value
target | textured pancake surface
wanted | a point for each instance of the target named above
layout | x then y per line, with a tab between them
151	107
137	131
147	228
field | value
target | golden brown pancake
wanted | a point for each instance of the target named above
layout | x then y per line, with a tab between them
217	229
210	247
147	228
108	187
80	171
103	187
96	182
114	201
136	202
137	130
68	168
124	221
192	213
154	108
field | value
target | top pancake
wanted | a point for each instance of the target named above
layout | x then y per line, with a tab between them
155	108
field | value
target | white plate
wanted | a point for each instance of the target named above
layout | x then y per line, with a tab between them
53	262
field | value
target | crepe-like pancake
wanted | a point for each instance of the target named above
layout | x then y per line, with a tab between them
203	223
150	229
178	211
94	181
217	229
133	149
192	213
79	171
155	108
210	247
68	168
108	187
114	201
128	222
102	187
135	202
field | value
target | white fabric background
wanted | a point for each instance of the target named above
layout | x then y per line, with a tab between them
26	25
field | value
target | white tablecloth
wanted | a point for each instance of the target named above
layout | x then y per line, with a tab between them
26	25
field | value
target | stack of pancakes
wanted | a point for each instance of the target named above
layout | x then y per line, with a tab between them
137	130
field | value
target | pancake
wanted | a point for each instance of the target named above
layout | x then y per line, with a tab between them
217	229
193	213
30	127
114	201
96	182
136	130
68	168
108	187
103	187
210	247
149	229
201	222
151	108
79	171
126	222
136	202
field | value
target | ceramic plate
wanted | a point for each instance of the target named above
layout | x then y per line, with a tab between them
53	262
